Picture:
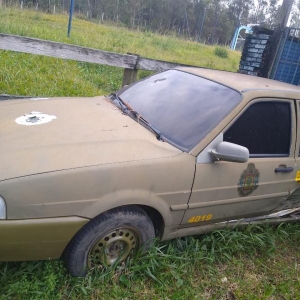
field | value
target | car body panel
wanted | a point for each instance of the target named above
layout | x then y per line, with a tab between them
64	143
159	183
37	238
242	82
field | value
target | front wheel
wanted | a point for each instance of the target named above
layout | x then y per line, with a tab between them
109	238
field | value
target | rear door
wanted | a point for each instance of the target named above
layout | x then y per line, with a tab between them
228	190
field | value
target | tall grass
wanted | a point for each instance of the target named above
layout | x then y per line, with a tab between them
250	263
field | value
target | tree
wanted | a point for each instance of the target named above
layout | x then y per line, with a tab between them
295	15
264	13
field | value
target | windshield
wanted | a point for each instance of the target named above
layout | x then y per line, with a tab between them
182	106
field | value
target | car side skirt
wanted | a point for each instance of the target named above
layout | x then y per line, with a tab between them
283	216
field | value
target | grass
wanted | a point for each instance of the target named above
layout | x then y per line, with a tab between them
221	52
25	74
251	263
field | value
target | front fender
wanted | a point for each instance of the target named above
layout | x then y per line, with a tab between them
90	191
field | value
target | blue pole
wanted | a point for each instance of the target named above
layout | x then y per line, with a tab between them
233	42
70	17
236	35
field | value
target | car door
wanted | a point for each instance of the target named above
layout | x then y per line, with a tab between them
228	190
293	200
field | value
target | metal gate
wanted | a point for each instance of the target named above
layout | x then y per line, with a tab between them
287	63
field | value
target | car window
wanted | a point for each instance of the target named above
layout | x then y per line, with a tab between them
264	128
182	106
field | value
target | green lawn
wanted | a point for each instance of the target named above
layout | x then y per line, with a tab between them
25	74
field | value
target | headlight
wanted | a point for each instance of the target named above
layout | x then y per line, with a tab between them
2	208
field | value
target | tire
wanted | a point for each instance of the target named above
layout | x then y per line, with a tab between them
109	238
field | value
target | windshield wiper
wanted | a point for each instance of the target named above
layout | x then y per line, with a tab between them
149	126
124	106
127	109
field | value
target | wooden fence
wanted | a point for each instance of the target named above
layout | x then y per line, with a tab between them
130	62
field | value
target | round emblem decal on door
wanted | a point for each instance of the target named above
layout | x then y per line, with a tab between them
249	181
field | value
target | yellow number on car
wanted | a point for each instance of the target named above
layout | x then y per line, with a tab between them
202	218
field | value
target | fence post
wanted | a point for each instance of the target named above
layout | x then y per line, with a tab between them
130	75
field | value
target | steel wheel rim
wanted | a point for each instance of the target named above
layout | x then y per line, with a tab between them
114	246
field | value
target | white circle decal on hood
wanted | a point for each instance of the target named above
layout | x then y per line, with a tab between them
34	118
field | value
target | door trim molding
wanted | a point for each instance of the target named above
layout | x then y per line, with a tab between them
236	200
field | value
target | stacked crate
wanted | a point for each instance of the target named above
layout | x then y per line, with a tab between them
255	52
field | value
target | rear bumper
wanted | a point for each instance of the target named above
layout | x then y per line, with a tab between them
37	239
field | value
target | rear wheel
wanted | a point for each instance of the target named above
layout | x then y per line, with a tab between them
109	238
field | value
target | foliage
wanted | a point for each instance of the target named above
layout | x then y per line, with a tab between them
221	52
295	15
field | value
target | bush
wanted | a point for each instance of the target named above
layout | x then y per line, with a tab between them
221	52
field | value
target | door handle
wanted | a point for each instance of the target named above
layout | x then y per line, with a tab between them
284	170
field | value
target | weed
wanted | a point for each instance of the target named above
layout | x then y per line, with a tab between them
221	52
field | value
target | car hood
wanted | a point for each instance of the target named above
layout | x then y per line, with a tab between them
66	133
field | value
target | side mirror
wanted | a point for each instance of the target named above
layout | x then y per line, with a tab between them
230	152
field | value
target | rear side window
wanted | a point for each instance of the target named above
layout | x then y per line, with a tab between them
264	128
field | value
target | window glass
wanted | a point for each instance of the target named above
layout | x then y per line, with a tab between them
182	106
264	128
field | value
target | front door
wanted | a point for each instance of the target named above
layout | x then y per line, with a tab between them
228	190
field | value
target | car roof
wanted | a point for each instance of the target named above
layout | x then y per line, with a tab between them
241	82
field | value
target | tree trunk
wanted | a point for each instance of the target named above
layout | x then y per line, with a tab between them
89	11
282	20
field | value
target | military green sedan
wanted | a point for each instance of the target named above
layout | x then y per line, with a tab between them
179	153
